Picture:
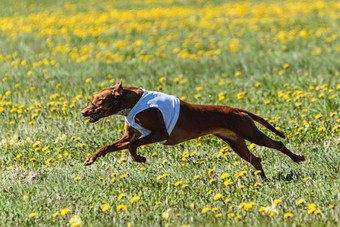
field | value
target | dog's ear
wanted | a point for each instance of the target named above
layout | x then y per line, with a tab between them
118	89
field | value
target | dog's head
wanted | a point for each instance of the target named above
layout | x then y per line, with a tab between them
104	103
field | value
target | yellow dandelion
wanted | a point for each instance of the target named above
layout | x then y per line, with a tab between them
106	207
211	171
217	196
65	211
228	182
178	183
277	201
257	172
134	199
322	129
288	215
218	215
32	215
318	116
205	210
19	155
225	175
238	73
121	207
121	196
185	185
318	211
257	185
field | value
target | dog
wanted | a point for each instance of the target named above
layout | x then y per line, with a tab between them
187	121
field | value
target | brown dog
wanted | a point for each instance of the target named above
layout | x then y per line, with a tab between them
232	125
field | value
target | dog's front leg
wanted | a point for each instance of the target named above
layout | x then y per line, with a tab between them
151	138
121	144
130	135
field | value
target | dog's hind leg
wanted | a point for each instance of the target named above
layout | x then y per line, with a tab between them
249	131
239	146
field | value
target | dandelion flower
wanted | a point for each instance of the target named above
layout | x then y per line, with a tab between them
225	175
134	199
214	209
76	178
121	207
65	211
318	116
121	196
257	185
288	215
178	183
322	129
228	182
217	196
32	215
205	210
211	171
185	185
277	201
106	207
258	172
318	211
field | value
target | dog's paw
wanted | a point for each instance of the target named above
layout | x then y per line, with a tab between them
89	161
301	158
139	159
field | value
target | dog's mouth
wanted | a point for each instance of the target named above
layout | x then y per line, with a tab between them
95	117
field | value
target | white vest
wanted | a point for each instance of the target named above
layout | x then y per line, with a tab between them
169	106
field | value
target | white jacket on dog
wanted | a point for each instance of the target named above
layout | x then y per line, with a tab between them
169	106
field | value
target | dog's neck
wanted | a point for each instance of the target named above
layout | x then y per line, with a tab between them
131	96
124	112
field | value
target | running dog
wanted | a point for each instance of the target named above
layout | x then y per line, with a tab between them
166	119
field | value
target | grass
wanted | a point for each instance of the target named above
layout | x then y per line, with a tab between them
277	59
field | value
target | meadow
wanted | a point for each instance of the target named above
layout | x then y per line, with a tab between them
278	59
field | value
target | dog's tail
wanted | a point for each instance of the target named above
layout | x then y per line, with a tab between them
263	122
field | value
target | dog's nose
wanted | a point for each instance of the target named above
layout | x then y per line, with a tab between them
83	112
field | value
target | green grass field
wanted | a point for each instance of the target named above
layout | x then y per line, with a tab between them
279	59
